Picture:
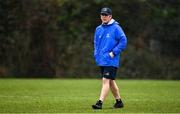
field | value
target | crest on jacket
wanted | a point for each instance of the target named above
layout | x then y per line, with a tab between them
107	35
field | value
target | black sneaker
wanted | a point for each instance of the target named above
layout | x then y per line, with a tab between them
118	105
98	105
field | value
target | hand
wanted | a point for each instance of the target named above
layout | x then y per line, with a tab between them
111	54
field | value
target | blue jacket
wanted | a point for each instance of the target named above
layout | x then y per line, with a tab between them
109	38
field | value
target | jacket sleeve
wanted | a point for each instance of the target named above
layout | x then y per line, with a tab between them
122	41
95	43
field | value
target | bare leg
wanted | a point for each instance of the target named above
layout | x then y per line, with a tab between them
105	89
114	89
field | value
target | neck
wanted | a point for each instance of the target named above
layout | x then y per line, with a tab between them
109	22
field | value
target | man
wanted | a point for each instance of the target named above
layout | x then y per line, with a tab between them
109	42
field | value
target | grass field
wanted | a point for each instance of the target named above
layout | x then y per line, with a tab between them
77	96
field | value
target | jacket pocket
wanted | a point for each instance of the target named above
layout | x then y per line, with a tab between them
107	57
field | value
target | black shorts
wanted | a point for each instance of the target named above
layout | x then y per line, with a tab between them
108	72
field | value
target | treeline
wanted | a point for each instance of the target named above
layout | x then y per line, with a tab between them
54	38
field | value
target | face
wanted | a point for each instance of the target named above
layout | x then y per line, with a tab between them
105	18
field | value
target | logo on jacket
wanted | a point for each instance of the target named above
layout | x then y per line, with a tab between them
108	35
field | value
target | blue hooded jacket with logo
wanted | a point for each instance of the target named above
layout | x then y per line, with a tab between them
109	38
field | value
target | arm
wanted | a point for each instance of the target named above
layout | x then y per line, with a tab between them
122	41
95	44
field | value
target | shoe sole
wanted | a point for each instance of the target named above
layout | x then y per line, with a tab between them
119	107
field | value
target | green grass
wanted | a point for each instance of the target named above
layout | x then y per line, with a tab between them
77	96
